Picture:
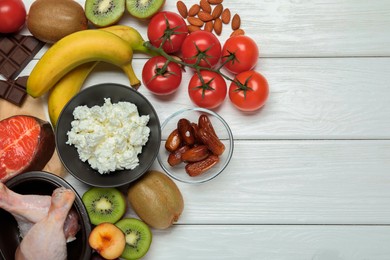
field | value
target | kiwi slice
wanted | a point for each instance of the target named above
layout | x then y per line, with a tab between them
104	12
138	237
143	9
104	205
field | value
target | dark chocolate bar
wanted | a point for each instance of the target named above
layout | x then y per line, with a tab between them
16	51
14	91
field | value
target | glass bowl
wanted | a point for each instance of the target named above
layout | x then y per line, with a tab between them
223	131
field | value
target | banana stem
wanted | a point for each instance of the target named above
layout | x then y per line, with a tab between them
134	81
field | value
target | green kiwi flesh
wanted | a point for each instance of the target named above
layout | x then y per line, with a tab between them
103	13
143	9
104	205
138	237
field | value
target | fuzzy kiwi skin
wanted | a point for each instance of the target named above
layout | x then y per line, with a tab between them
50	20
156	199
139	15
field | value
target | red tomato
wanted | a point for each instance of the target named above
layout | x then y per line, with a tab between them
169	25
250	93
12	16
202	45
243	51
209	94
158	80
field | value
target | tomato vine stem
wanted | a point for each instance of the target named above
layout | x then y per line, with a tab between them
195	66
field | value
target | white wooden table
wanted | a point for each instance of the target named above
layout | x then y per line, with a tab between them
310	174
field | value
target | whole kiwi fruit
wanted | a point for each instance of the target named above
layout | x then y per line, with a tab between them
156	199
51	20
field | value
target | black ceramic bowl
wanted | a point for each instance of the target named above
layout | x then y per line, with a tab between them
92	96
42	183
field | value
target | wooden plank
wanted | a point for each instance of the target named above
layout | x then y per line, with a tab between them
271	242
309	98
304	28
293	182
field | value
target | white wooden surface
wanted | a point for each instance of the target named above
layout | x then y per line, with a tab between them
310	175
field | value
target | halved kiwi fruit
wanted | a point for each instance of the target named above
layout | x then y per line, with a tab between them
104	205
103	13
144	9
138	237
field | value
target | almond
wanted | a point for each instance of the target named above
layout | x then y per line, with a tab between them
182	8
217	11
205	6
194	10
205	17
218	26
215	2
225	16
236	22
237	32
192	28
209	26
195	21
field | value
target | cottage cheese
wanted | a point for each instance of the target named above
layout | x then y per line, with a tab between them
109	137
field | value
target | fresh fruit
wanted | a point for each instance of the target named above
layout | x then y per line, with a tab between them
144	9
138	238
12	15
169	25
104	205
156	199
240	54
208	92
195	154
249	91
160	76
76	49
66	88
26	144
175	157
104	12
202	48
108	240
71	83
49	21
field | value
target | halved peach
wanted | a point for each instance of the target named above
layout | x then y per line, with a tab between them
108	240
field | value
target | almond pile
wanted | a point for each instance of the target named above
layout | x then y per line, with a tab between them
209	15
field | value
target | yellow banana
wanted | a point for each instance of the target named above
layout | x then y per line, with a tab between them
130	35
71	83
76	49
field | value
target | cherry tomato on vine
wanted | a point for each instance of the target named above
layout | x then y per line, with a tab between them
210	93
201	45
170	25
12	15
160	80
242	51
250	93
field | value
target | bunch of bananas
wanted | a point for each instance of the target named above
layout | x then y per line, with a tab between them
66	64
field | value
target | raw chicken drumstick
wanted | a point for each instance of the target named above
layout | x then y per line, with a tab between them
30	209
46	239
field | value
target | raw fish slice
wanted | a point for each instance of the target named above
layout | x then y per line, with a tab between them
46	239
26	144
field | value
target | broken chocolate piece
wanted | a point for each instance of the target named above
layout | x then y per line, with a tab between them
14	91
16	51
